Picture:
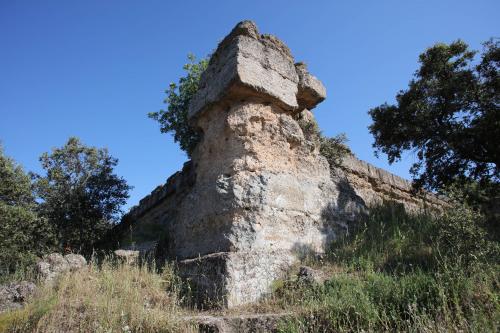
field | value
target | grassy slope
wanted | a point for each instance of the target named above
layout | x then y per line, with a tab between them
113	297
394	273
402	273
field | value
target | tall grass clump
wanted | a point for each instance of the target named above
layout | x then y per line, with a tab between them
402	272
105	297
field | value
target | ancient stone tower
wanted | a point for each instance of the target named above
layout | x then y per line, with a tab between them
260	185
257	194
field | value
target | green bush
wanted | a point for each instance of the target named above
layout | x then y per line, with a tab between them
175	118
462	240
23	234
80	194
334	149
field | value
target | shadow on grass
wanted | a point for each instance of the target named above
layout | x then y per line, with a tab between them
388	238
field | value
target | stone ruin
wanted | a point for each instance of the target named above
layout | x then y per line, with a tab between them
257	194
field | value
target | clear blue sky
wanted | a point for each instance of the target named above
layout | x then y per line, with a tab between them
94	69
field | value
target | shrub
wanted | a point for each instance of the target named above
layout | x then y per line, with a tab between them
461	239
80	194
23	234
334	149
175	118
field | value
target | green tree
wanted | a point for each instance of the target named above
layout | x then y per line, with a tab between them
174	118
449	116
80	194
23	235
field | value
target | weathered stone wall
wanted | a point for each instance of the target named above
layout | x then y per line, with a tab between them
257	195
375	185
145	224
360	183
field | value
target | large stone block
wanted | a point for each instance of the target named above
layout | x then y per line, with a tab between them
227	279
249	64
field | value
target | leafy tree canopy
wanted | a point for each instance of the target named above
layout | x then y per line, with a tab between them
80	194
174	118
449	116
23	234
15	184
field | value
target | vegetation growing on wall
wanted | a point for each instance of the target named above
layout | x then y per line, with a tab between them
333	148
175	118
393	272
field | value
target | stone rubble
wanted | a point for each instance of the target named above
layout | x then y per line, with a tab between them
15	295
130	257
242	323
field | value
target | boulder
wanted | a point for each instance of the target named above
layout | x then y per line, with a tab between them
54	264
14	295
75	261
127	256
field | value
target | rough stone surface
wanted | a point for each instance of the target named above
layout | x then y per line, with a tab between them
127	256
310	275
75	261
374	185
54	264
243	323
249	64
257	196
14	295
311	90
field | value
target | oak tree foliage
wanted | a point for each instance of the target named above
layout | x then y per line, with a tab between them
23	234
80	194
449	116
175	118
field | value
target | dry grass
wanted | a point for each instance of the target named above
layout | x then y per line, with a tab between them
110	297
398	273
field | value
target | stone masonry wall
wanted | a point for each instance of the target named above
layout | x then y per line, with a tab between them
257	195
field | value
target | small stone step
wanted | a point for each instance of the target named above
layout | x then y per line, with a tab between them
243	323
